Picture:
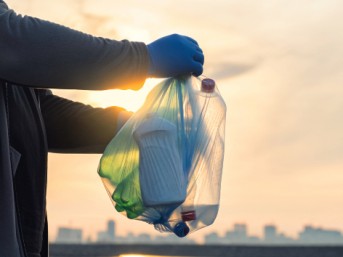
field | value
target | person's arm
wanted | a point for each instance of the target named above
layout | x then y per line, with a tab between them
42	54
74	127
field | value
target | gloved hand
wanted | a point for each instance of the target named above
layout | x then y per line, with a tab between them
175	55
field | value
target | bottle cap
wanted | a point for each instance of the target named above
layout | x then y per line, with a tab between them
181	229
188	215
208	85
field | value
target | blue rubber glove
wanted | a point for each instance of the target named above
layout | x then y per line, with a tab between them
175	55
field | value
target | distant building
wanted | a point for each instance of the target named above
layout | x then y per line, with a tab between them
143	238
285	240
108	235
253	240
270	233
213	238
238	235
240	231
173	239
272	237
312	235
111	229
103	237
69	236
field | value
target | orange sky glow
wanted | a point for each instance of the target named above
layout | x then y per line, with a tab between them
278	65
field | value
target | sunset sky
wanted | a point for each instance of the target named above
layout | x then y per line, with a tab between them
279	67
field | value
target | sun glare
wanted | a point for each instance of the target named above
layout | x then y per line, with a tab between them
128	99
131	255
136	255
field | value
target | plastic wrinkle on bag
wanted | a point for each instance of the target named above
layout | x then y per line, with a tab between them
164	166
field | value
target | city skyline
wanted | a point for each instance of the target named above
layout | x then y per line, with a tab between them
239	234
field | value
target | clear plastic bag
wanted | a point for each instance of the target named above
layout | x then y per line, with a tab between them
164	166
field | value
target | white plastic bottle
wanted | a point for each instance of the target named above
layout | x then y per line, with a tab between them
162	180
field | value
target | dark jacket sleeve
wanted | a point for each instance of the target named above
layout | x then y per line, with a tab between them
74	127
38	53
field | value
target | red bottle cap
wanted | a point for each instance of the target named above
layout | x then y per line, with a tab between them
188	215
208	85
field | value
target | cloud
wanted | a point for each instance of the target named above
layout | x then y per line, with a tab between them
228	70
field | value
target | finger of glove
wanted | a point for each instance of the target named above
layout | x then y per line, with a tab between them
197	69
192	40
198	49
199	57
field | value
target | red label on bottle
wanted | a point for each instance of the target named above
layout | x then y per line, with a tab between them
188	215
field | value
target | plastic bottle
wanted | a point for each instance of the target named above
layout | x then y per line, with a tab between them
161	176
208	112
